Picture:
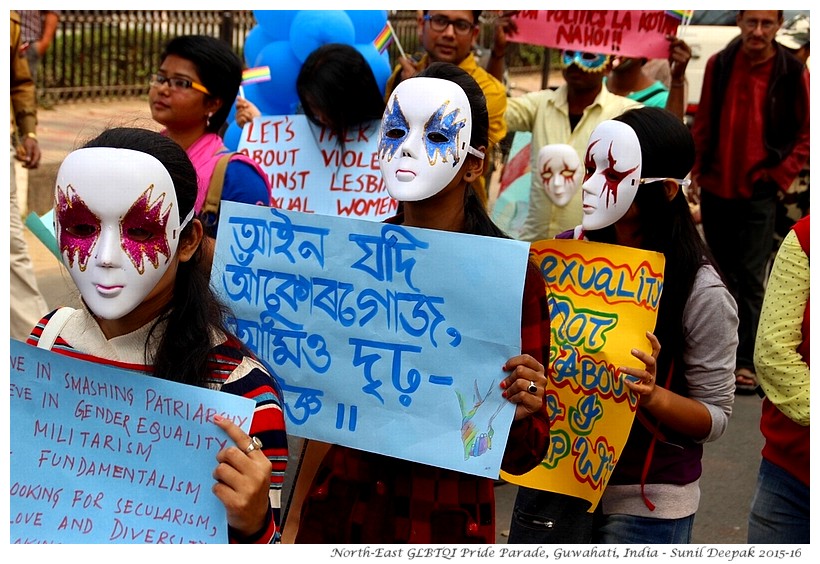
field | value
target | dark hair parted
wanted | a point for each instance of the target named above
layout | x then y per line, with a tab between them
218	67
337	83
666	226
194	311
477	220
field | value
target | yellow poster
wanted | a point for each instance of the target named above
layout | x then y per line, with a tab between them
603	299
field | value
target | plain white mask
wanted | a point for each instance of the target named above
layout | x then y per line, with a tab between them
561	172
117	225
424	137
613	172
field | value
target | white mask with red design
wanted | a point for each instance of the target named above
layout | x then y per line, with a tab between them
561	172
613	172
117	225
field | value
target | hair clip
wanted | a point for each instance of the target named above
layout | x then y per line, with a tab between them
684	182
185	222
475	152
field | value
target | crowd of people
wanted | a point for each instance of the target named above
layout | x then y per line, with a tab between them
720	329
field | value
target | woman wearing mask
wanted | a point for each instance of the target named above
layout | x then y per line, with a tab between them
358	496
134	255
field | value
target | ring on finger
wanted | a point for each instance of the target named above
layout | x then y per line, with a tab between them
532	388
255	444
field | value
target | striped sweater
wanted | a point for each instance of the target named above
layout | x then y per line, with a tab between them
229	370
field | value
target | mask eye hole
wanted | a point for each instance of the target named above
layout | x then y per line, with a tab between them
436	137
81	230
138	234
395	133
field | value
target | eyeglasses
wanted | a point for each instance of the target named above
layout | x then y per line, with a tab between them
684	182
591	62
176	83
440	23
765	25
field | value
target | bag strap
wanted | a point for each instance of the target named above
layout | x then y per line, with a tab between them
54	327
214	196
653	92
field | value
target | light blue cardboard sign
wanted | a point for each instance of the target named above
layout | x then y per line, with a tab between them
385	338
513	202
104	455
311	172
43	228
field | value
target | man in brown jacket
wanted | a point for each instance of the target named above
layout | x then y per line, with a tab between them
27	304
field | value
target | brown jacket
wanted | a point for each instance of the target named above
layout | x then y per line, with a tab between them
23	100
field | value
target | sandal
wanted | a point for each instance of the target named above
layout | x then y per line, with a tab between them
745	381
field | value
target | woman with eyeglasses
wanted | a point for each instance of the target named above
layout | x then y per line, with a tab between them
636	166
191	94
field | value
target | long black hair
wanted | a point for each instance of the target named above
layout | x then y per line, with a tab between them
477	220
218	67
665	226
194	311
337	81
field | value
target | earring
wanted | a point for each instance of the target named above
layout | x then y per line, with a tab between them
208	119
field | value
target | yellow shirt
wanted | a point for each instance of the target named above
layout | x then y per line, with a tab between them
779	368
546	115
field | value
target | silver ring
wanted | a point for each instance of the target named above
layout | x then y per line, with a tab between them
532	388
256	444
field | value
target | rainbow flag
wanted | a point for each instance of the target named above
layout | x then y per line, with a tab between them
384	39
256	74
681	15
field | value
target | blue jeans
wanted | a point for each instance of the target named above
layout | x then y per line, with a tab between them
631	529
780	508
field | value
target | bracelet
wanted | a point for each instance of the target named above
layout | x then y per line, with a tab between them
31	135
678	83
494	56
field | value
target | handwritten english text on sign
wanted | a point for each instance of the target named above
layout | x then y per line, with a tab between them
629	33
312	171
103	455
603	298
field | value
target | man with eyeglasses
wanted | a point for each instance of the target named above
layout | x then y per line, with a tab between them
448	36
566	115
751	135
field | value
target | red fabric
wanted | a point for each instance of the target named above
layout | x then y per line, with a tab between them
787	443
742	114
737	165
515	168
361	497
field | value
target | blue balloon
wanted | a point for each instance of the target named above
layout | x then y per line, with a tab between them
275	22
379	63
368	24
255	41
277	95
313	28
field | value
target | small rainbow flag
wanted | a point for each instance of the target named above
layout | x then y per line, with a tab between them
384	39
681	15
256	74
